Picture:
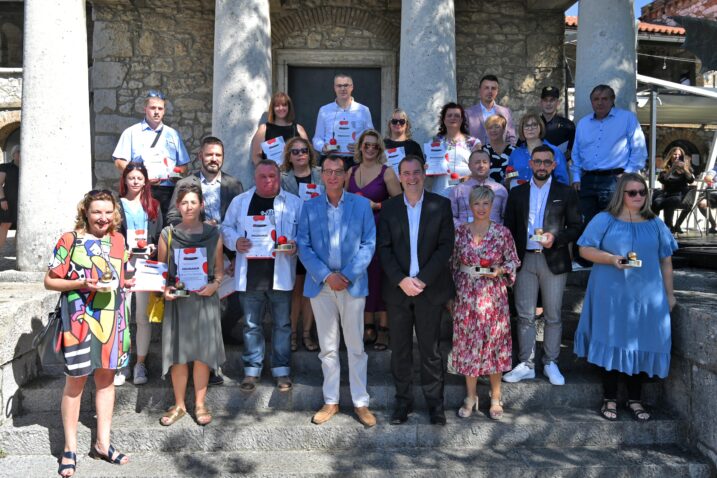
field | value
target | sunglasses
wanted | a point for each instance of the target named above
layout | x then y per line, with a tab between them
634	192
398	121
370	146
155	94
298	151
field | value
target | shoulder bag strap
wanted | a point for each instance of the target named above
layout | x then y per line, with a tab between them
156	138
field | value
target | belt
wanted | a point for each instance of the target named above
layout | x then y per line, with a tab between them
604	172
534	251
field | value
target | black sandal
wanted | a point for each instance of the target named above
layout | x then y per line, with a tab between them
294	342
369	334
639	413
94	453
381	342
609	413
70	455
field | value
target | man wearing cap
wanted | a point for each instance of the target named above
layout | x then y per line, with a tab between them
559	130
155	144
487	107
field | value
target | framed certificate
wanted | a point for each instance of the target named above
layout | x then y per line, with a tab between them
150	276
274	149
192	267
260	231
436	158
309	191
394	156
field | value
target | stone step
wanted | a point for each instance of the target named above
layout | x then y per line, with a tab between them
42	433
580	390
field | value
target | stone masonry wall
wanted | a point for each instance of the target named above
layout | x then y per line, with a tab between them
10	88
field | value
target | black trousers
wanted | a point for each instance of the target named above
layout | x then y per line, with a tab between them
416	313
611	379
669	203
163	194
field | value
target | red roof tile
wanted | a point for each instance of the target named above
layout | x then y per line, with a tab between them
643	27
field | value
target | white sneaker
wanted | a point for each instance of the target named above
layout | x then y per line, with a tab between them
520	372
140	374
119	379
553	373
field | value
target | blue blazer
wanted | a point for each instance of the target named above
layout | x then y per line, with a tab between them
358	242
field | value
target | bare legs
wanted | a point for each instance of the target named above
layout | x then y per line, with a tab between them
180	377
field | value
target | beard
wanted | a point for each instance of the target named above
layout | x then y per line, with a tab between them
541	175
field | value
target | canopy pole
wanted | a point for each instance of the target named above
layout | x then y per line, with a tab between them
653	135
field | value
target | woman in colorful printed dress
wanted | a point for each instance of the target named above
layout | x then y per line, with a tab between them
481	319
87	266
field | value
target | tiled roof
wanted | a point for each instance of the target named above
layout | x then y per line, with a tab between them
572	21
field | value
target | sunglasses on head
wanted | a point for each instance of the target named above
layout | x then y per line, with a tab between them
298	151
395	121
155	94
634	192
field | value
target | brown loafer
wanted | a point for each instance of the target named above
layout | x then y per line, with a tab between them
325	414
365	416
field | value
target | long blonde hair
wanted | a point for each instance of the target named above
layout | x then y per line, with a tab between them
668	163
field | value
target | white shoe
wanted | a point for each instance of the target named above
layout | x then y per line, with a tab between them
140	374
520	372
119	379
553	373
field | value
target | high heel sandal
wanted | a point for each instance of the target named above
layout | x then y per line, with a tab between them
117	460
381	339
309	343
495	412
70	455
369	334
468	406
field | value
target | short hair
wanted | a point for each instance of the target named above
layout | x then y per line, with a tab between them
441	121
13	150
481	192
488	78
81	223
358	152
343	75
280	96
534	117
412	157
400	112
189	187
479	151
618	197
286	156
543	148
211	140
601	88
334	157
492	119
268	162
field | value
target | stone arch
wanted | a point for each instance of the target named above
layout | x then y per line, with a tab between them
687	137
9	122
299	20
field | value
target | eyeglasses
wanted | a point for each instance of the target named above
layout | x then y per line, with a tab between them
155	94
634	192
543	162
333	172
343	85
298	151
395	121
531	126
370	146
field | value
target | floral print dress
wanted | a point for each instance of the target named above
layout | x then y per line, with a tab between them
481	317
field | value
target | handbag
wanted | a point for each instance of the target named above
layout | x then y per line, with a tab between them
155	306
48	342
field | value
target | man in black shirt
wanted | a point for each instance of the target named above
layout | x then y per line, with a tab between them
559	131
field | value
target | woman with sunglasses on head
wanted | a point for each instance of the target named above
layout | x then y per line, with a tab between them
191	329
675	178
280	122
371	178
453	133
624	326
399	134
299	167
141	226
532	132
87	266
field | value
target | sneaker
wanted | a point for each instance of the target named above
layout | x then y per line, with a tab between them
520	372
140	374
119	378
215	378
552	371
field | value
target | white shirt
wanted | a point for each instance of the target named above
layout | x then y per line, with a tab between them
357	114
487	113
335	214
414	220
536	213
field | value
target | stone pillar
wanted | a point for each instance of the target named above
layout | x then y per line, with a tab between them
55	169
427	73
242	79
606	52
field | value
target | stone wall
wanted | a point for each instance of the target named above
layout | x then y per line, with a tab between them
660	11
10	88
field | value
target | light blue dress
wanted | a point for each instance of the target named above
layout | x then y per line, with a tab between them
625	321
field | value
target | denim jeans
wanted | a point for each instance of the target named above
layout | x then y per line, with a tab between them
279	306
595	194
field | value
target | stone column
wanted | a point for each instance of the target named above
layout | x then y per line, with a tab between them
55	169
242	79
427	78
606	52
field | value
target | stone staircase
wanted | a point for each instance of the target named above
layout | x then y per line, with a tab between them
546	430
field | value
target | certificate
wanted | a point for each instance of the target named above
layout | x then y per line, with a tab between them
394	156
260	231
436	158
192	267
157	163
150	276
345	134
227	286
309	191
274	149
134	236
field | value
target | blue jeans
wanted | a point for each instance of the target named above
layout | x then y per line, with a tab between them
279	302
595	194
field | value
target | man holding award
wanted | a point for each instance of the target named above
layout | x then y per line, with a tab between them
260	225
544	218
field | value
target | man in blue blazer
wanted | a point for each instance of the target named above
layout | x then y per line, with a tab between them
336	241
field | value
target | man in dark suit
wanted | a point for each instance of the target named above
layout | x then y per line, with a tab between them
543	216
415	242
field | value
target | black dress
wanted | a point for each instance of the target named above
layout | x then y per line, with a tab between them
274	131
12	176
409	146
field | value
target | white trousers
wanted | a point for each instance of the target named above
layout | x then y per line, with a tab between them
332	309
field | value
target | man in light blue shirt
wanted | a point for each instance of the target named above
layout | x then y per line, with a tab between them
607	143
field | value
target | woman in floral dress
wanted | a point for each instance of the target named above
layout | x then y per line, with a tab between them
481	318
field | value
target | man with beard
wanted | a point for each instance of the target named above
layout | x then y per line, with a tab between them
487	107
544	218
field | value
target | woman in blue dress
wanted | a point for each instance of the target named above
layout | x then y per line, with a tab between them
624	327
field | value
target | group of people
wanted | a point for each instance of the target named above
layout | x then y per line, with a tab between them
349	242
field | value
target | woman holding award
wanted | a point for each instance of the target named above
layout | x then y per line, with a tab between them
399	134
87	267
458	144
280	124
498	148
624	326
301	176
373	179
483	264
532	132
191	329
141	226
